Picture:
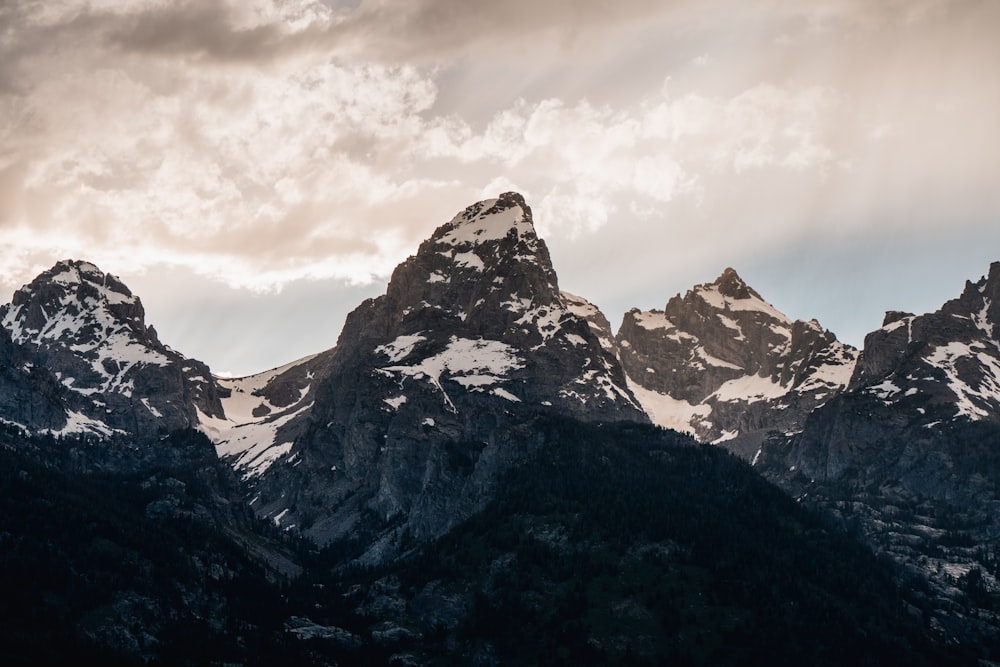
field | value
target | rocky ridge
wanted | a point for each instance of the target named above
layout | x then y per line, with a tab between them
920	375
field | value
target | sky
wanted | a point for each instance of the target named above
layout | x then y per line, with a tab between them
254	169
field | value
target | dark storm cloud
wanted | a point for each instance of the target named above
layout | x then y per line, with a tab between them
192	29
207	30
202	30
437	27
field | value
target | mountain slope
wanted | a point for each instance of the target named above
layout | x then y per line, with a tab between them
263	414
698	562
154	560
724	365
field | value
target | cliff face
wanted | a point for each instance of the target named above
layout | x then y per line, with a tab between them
919	379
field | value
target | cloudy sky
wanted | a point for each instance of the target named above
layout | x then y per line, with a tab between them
253	169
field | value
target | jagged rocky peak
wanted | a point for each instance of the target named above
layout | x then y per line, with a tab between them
917	429
487	259
77	302
427	395
728	293
730	284
483	287
489	220
980	301
87	332
722	363
940	366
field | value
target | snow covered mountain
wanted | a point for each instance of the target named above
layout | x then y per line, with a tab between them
726	366
82	360
427	395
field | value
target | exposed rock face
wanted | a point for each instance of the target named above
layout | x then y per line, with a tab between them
80	348
29	394
425	398
725	366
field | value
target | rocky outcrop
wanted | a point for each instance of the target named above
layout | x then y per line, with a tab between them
726	366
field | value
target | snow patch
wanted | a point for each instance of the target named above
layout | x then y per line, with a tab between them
669	412
749	388
885	390
969	399
726	435
730	323
486	226
714	361
981	320
834	373
653	320
713	297
248	443
473	364
77	422
503	393
394	403
470	260
153	411
400	348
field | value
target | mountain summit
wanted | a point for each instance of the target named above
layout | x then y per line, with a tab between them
725	365
111	373
429	393
729	284
951	357
910	451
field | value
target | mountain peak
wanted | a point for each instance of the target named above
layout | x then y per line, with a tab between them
730	284
715	361
74	299
68	272
488	220
115	374
990	283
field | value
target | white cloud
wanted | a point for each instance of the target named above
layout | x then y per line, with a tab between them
586	162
